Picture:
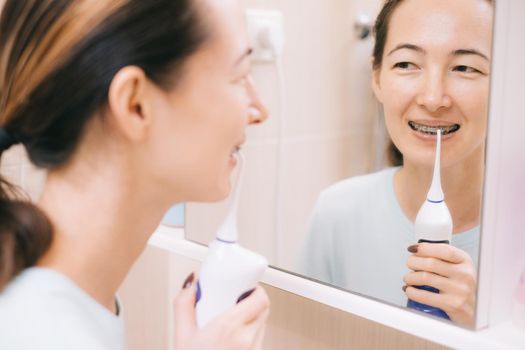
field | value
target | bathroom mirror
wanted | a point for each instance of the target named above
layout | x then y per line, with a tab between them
325	195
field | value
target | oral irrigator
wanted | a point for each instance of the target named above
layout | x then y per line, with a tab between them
433	225
229	270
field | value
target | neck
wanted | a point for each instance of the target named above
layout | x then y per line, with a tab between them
462	186
102	218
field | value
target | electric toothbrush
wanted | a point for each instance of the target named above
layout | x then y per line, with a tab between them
229	270
433	225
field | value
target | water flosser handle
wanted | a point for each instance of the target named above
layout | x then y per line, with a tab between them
433	225
229	270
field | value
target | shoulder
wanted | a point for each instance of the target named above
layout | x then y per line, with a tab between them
40	311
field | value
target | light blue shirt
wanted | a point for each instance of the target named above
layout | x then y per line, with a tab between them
358	238
43	309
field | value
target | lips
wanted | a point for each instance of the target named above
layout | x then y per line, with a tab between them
235	150
426	128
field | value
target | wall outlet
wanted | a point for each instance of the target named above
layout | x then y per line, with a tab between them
266	31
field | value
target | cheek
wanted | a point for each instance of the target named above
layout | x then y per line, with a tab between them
398	93
473	101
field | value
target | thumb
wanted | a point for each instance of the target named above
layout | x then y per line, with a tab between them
184	312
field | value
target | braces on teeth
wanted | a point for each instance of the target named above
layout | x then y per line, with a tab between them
432	130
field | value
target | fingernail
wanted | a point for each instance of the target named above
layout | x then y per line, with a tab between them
413	248
404	288
188	281
245	295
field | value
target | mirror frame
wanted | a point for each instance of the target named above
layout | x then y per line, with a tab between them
503	243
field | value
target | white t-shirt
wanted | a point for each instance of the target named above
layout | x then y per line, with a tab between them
358	238
43	309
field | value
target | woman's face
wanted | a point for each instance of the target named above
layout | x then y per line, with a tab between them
203	119
435	73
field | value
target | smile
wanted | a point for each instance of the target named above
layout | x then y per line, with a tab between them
432	130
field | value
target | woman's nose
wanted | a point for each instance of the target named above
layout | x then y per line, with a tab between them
257	112
434	95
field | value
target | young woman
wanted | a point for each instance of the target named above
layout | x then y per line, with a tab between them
431	71
131	106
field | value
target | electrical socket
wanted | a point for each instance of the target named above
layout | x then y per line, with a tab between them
266	31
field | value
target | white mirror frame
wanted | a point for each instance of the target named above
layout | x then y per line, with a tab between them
502	252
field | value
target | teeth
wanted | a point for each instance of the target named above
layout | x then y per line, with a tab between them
236	150
432	130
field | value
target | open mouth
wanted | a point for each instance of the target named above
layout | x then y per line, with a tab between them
432	130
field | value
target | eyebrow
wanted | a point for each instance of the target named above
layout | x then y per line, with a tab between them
246	53
459	52
470	52
407	46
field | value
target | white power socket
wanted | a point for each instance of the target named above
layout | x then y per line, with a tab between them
266	31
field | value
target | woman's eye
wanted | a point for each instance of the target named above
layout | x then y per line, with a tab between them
405	65
466	69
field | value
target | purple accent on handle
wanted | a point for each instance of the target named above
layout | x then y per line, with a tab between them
225	241
198	293
435	202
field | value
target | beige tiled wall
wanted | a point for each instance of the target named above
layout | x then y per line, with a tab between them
321	129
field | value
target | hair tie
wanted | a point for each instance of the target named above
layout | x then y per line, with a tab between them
6	140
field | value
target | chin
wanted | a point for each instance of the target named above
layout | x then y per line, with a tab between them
424	158
219	193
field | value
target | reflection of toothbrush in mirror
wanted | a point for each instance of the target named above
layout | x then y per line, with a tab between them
229	270
433	224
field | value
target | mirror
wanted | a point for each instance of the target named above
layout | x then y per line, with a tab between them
325	194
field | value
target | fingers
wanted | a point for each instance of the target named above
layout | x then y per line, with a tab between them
445	252
256	329
459	307
243	325
442	259
252	307
424	278
424	297
448	269
260	329
184	310
463	272
432	265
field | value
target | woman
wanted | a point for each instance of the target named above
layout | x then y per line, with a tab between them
431	70
131	106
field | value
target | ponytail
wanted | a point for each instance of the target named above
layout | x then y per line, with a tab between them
25	233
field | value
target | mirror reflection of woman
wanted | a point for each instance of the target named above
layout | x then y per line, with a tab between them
431	69
132	106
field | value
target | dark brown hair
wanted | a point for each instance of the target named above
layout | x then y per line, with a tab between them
57	61
395	157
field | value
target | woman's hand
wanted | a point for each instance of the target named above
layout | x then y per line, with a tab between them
240	328
448	269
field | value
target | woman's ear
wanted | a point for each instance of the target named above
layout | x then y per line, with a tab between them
376	86
127	103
